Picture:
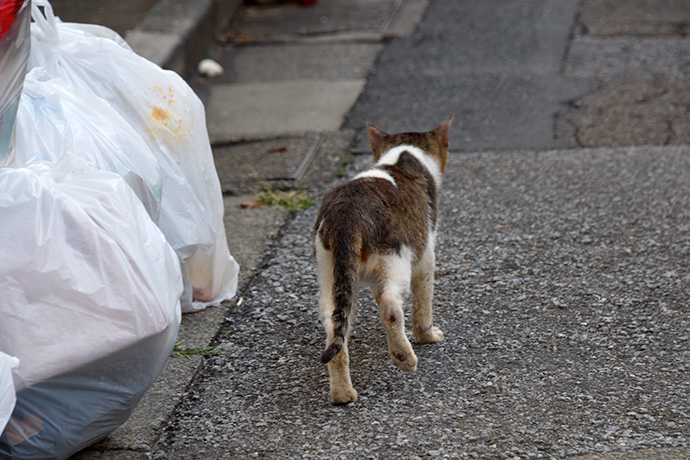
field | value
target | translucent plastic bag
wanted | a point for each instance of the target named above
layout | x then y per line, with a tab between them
14	53
90	291
170	117
53	120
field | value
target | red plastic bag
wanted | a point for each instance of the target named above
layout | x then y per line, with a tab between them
8	13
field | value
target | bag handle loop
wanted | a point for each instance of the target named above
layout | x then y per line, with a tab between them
45	20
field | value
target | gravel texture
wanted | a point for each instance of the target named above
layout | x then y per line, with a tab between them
562	288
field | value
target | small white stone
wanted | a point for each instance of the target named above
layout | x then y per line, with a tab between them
210	68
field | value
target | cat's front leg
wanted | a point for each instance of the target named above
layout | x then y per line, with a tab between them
342	391
422	292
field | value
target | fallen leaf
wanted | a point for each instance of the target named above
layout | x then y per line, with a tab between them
277	150
253	204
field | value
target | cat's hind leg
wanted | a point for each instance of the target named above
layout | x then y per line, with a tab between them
390	293
394	321
422	292
342	391
341	388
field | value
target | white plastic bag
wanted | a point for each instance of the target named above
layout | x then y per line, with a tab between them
53	119
79	257
171	118
7	393
90	304
14	54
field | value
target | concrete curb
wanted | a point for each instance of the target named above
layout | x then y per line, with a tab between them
176	35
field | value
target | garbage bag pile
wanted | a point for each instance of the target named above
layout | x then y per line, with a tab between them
111	225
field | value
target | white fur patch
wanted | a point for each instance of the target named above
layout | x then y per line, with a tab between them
377	174
392	156
400	271
325	264
397	269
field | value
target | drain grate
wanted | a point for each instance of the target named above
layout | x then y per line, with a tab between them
308	158
242	167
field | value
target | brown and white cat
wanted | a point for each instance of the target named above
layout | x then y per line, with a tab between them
378	230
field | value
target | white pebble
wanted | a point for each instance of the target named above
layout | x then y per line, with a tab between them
210	68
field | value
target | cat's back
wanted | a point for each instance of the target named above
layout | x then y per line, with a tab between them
359	201
403	184
386	207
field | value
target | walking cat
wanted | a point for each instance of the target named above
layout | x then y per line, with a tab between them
378	230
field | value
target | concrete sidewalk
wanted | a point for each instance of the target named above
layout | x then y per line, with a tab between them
569	339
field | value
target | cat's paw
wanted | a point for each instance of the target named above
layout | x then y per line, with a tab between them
429	335
343	395
406	361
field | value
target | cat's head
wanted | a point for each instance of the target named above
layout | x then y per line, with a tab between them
434	142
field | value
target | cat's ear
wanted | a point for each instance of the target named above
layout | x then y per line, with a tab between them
377	139
441	132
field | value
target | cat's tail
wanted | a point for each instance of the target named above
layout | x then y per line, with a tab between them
333	349
345	256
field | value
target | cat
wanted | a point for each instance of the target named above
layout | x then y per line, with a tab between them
378	230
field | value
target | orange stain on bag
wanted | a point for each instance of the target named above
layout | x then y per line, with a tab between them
159	114
167	118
